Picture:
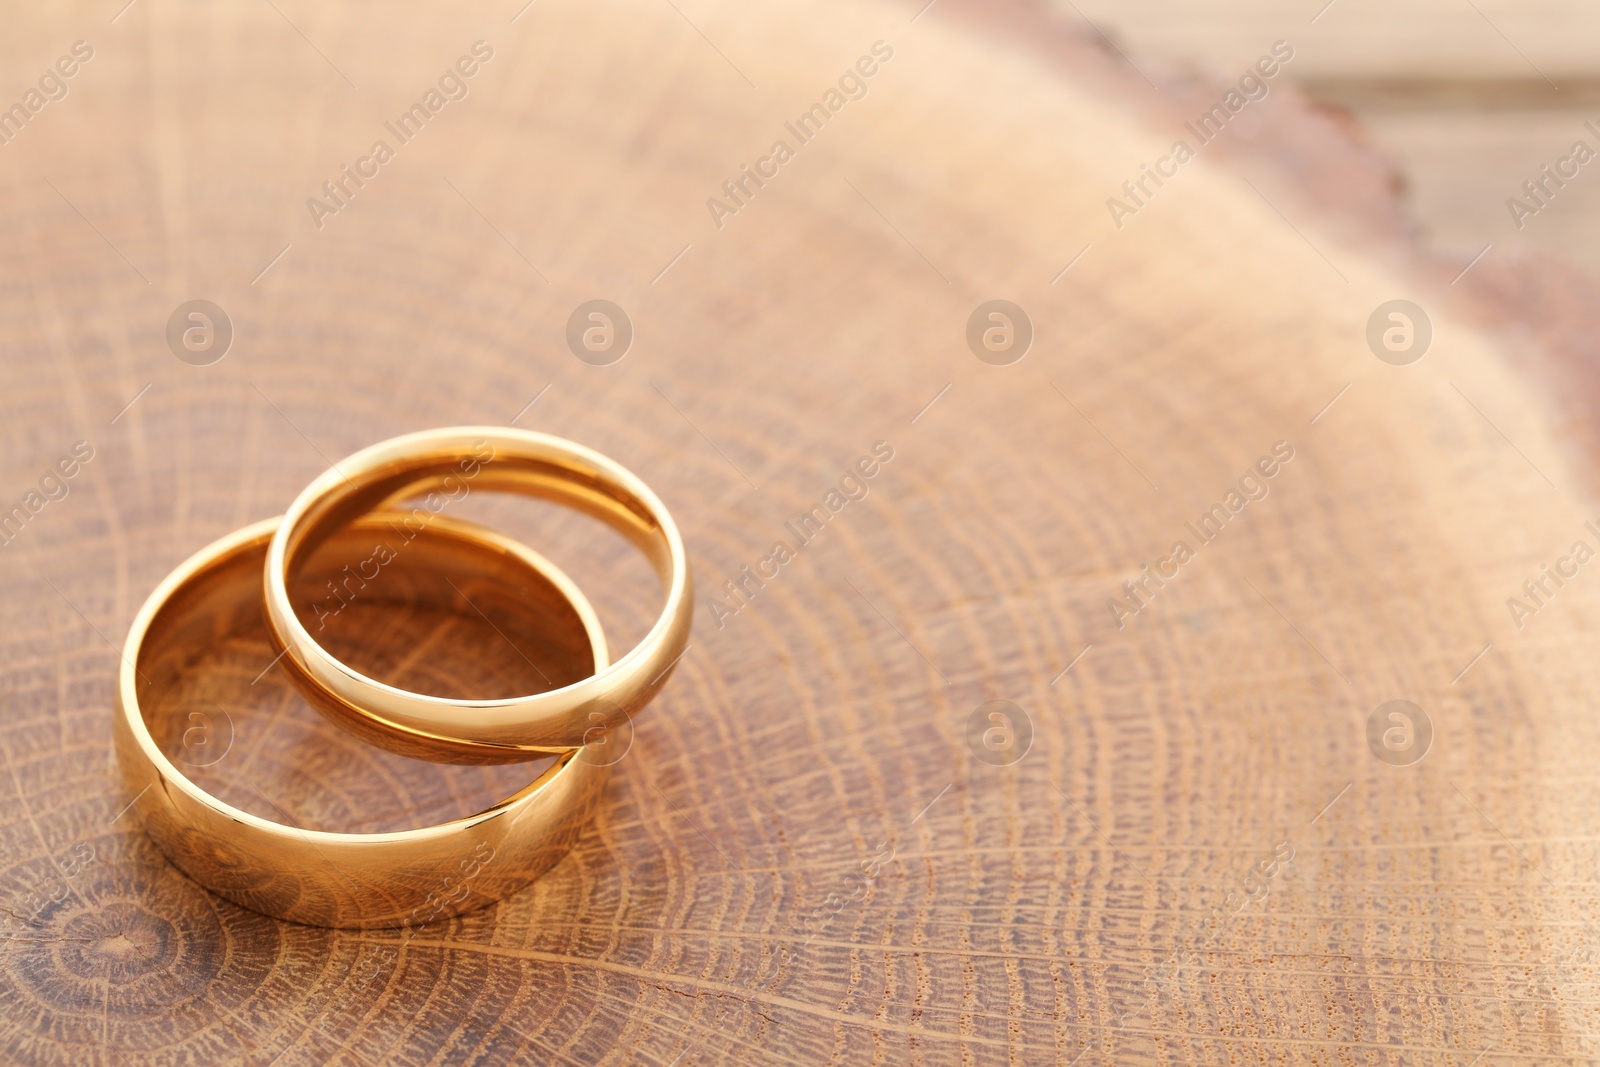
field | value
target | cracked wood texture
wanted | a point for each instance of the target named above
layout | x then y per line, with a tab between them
802	858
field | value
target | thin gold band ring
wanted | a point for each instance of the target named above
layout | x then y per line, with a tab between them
442	466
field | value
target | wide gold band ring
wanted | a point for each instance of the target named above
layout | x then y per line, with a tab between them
321	878
441	467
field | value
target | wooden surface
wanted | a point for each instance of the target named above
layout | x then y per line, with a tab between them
802	859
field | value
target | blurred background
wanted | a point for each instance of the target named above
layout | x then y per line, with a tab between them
1466	98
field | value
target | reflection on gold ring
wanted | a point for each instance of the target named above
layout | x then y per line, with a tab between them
322	878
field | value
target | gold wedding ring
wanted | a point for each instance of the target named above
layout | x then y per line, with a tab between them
441	467
344	530
403	878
